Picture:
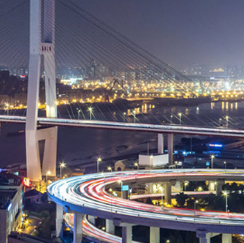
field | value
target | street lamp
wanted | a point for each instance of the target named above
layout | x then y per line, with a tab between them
225	165
124	115
226	201
186	183
200	188
78	112
134	115
90	110
195	202
220	121
99	159
110	168
171	116
180	117
62	165
227	119
176	164
137	165
7	107
212	157
47	173
121	182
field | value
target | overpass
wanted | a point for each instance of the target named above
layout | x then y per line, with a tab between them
89	194
139	127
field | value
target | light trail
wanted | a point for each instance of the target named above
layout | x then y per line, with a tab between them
91	232
86	194
173	194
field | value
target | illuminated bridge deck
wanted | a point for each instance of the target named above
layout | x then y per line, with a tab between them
224	132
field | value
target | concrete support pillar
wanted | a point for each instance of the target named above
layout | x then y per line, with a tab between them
154	235
219	185
226	238
91	219
211	186
160	143
127	233
150	188
202	235
110	228
171	148
59	220
77	233
125	194
167	192
178	186
205	237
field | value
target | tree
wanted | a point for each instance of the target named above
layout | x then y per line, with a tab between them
181	199
149	201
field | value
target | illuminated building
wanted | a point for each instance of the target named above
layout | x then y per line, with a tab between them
10	204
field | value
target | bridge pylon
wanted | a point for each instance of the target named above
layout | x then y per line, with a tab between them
42	48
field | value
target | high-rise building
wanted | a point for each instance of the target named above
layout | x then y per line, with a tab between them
10	204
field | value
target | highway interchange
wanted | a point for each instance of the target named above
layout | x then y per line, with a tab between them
88	194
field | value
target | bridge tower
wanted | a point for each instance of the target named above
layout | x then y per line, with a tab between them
42	49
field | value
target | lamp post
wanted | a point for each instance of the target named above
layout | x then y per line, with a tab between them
78	112
220	121
186	184
124	115
225	165
195	202
110	168
47	173
62	165
180	117
121	183
137	165
171	116
176	164
99	159
134	115
90	110
227	120
7	107
212	157
226	201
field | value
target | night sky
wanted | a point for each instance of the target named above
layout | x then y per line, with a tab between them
179	32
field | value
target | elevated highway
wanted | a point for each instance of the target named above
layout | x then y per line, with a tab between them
191	130
87	195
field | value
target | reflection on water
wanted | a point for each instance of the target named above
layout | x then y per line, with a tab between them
212	114
79	144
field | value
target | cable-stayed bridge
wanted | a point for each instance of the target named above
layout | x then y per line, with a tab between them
65	41
82	47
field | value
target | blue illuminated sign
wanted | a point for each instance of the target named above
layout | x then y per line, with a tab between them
125	188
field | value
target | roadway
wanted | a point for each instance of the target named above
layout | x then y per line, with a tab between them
191	130
32	223
91	232
87	194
